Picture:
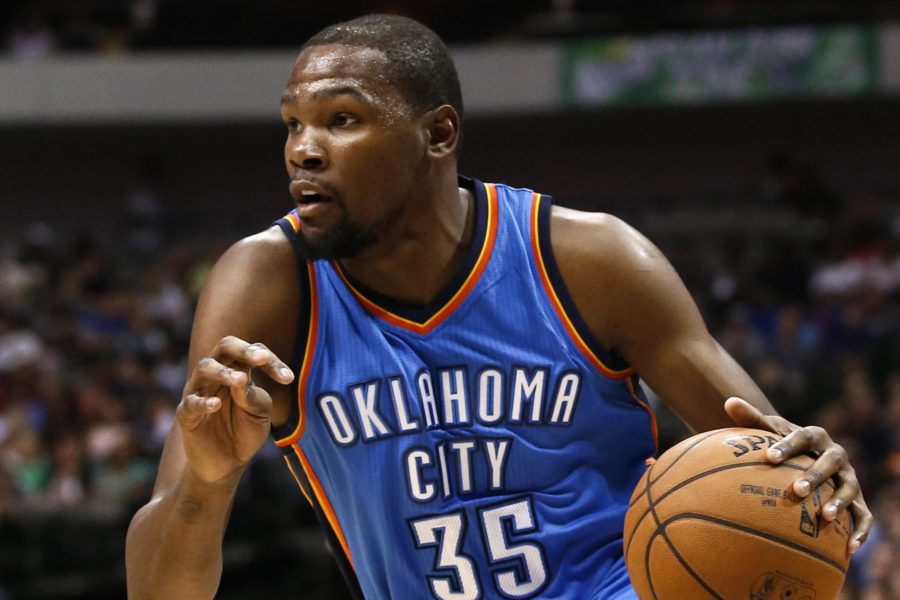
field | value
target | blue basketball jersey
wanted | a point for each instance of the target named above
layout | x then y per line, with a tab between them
481	446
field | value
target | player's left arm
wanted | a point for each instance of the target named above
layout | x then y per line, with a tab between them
636	305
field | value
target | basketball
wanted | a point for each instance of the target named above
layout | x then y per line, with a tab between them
713	518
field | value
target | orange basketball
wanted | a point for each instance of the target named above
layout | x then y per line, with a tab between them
712	518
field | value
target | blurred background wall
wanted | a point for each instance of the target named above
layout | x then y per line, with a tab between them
757	142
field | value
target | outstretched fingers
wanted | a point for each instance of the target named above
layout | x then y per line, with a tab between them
816	441
239	353
210	374
224	376
246	356
831	462
206	391
193	408
746	415
863	521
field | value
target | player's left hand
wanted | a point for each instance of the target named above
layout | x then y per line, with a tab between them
832	461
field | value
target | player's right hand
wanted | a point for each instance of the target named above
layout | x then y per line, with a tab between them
224	418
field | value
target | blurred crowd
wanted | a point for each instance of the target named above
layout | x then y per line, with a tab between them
93	338
94	334
35	29
809	306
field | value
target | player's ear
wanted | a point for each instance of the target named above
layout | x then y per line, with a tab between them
442	126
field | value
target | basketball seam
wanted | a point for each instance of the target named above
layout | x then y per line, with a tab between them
731	524
651	507
661	530
675	460
661	526
651	504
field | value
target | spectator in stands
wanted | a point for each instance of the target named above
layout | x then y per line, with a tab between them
67	487
124	480
33	39
25	458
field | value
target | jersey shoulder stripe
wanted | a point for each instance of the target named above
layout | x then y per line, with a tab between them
555	288
305	346
305	337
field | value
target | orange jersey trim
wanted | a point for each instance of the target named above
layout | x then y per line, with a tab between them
653	427
445	311
557	304
324	503
287	461
305	366
294	220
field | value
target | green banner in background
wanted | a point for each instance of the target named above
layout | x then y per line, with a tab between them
723	66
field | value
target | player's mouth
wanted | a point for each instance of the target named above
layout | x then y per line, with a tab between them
310	204
311	198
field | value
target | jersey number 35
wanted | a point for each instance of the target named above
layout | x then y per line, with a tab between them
518	566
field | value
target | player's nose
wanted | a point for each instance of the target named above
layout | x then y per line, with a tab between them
308	154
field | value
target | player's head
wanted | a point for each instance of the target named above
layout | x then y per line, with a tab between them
373	111
418	62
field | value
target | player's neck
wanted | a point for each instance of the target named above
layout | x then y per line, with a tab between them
413	263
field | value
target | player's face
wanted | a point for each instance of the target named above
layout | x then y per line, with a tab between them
353	152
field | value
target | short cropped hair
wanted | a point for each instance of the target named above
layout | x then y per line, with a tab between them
418	62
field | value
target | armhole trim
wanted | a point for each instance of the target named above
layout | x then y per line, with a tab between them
305	343
633	383
311	488
555	288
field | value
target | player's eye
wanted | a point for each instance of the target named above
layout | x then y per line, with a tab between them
293	125
343	120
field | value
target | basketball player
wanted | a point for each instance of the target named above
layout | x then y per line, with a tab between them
460	400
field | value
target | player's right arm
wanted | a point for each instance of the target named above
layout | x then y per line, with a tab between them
635	304
234	391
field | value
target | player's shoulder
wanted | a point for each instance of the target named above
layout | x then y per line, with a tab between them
251	290
598	239
604	262
252	293
264	260
266	249
271	239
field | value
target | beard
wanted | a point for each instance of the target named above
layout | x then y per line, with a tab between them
346	239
